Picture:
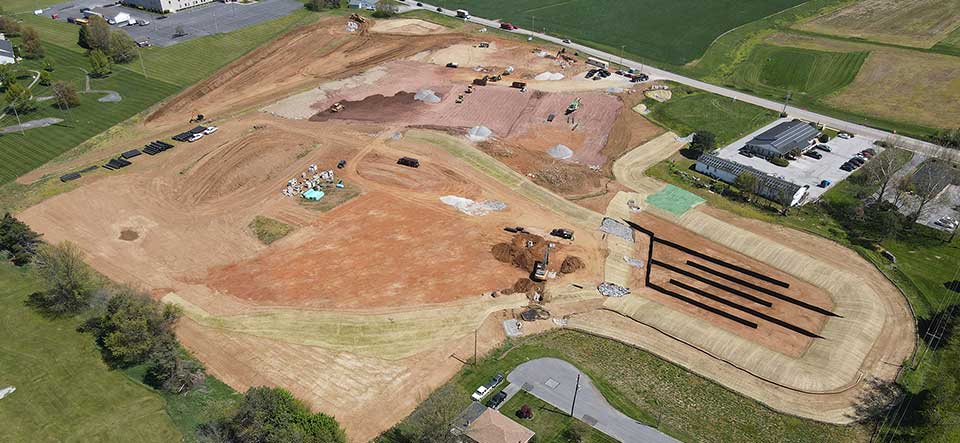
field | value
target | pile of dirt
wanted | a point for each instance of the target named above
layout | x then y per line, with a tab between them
522	251
567	177
375	108
524	285
571	264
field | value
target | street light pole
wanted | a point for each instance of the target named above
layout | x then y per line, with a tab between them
575	391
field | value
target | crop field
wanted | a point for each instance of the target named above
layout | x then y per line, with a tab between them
674	32
917	23
64	390
690	111
776	70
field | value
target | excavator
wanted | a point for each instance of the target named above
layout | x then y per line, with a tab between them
540	267
574	105
337	107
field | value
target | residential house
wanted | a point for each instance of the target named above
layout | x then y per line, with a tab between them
480	424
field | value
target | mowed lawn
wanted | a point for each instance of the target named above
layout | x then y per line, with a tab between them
19	153
169	70
692	110
777	70
639	384
674	32
65	393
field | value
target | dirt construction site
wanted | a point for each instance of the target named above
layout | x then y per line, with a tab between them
380	289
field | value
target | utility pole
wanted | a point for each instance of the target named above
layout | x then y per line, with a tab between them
476	333
621	56
575	391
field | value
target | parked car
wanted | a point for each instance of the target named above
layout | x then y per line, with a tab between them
813	154
845	135
566	41
857	161
419	4
482	391
439	9
143	22
947	222
823	148
847	166
210	130
866	154
824	183
591	73
871	150
195	137
746	153
496	400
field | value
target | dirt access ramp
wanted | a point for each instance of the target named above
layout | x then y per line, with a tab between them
872	336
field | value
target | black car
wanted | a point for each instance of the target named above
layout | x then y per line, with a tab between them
496	400
846	167
419	4
591	73
439	9
813	154
562	233
857	161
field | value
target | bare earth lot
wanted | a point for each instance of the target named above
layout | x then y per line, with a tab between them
378	300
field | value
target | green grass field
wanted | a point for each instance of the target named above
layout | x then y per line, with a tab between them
169	70
644	387
269	230
674	32
949	45
65	392
548	422
691	110
776	70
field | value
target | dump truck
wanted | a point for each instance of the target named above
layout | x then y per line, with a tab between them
518	85
336	107
574	105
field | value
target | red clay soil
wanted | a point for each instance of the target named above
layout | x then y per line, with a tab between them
376	108
767	333
380	250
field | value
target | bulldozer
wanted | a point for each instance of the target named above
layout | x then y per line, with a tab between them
357	18
337	107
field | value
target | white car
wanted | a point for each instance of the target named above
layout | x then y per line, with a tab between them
210	130
481	392
845	135
947	222
195	137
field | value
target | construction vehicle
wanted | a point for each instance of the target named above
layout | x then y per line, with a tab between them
409	162
469	89
481	81
574	105
562	233
460	98
357	18
197	119
518	85
496	78
540	267
337	107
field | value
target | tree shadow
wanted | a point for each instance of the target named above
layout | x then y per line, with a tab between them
690	154
876	399
952	285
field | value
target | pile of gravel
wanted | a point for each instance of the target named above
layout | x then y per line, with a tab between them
613	227
427	96
479	133
636	263
612	290
549	76
560	152
474	208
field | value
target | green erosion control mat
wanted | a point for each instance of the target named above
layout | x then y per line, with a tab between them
674	200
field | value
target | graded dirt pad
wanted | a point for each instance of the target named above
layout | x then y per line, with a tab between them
323	50
767	333
406	27
379	250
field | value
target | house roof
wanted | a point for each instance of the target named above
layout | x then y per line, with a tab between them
493	427
768	184
6	48
785	137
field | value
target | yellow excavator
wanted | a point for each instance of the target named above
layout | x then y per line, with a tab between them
540	268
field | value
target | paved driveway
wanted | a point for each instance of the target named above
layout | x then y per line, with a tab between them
553	380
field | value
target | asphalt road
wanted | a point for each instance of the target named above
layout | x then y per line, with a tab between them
918	146
553	381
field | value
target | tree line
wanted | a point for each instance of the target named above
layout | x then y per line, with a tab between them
131	328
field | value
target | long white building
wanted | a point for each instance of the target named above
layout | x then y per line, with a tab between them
165	5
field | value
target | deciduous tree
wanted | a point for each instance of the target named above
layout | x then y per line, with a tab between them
122	47
703	141
17	240
19	98
31	43
69	280
65	94
881	169
100	64
95	34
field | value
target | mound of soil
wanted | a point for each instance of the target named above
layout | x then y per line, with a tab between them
571	264
129	235
524	285
522	251
375	108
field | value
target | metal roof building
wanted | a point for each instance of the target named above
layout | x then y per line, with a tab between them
783	138
768	186
6	53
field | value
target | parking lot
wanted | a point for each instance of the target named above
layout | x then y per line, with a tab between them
208	19
805	170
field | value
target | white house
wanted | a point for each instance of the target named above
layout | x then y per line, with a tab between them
6	53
